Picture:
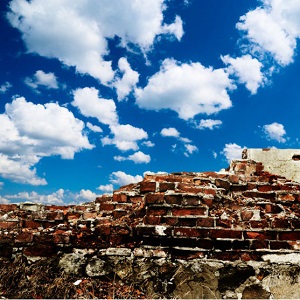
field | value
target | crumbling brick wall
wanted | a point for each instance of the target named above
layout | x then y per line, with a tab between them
241	215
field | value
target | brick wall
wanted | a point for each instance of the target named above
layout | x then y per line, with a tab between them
239	214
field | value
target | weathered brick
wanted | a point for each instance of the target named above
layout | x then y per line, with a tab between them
90	215
170	221
265	188
103	229
277	245
136	199
272	208
254	194
147	187
166	186
8	207
186	221
107	206
238	187
173	199
234	178
9	225
152	220
207	201
184	187
226	233
121	198
289	236
31	224
280	223
259	244
259	224
205	222
251	185
222	183
223	244
156	211
61	237
24	237
199	211
157	198
246	215
286	197
117	214
191	200
191	232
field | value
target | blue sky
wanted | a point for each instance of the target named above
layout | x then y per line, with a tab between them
95	93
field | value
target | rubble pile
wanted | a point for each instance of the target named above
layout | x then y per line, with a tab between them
221	234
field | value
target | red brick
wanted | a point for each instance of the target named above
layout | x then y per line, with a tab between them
107	206
39	250
280	223
117	214
286	197
234	178
277	245
136	199
24	237
173	199
271	208
208	191
170	221
166	186
254	235
147	187
31	224
199	211
103	229
90	215
226	233
103	198
259	244
191	200
227	223
259	224
121	198
251	185
205	222
289	236
207	201
265	188
246	215
191	232
154	198
71	216
8	207
295	223
253	194
238	187
9	225
152	220
184	187
222	183
61	237
156	211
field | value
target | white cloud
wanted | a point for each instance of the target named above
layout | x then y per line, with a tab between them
232	151
4	200
75	32
129	80
273	28
275	131
209	124
188	89
125	137
138	158
48	80
54	198
86	195
23	143
121	178
90	105
173	132
148	144
94	128
175	28
5	87
108	188
190	149
247	69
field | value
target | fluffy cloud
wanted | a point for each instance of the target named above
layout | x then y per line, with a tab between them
5	87
247	70
275	131
121	178
76	32
170	132
209	124
108	188
148	144
94	128
127	83
47	80
23	143
86	195
54	198
138	158
190	149
232	151
273	28
125	137
90	105
188	89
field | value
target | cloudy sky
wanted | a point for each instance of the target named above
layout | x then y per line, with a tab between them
95	93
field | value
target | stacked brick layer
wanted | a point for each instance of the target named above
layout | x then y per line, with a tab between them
242	213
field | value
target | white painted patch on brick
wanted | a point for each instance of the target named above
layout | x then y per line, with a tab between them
160	230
